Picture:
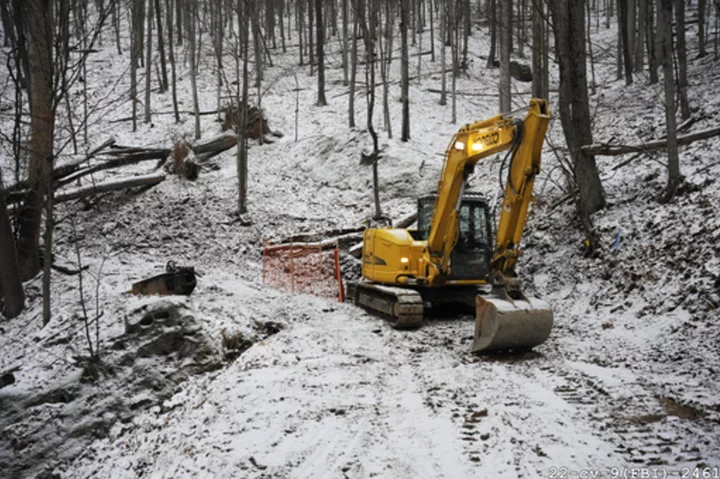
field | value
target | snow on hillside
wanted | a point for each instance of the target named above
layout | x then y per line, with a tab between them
626	380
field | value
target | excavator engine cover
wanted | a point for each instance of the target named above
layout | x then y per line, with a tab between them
506	323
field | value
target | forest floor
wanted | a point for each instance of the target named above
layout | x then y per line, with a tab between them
627	379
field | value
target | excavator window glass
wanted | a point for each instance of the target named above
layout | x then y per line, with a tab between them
473	226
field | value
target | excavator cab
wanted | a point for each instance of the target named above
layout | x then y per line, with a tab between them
470	259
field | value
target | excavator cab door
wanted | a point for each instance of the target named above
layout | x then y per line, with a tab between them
470	259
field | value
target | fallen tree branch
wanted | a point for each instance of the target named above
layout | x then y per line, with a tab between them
615	150
152	154
148	180
65	170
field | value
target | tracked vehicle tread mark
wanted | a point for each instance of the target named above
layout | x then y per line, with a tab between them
403	308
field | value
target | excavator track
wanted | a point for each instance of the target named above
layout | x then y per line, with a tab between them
403	308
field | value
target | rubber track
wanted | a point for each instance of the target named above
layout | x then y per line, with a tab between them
403	308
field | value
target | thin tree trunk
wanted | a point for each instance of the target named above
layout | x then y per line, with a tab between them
682	59
148	62
353	73
161	47
171	52
590	50
505	39
116	25
537	39
640	40
702	8
311	42
242	153
194	48
345	41
651	43
320	52
135	53
625	40
493	33
443	35
404	68
665	12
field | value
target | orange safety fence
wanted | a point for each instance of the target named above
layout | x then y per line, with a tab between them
303	268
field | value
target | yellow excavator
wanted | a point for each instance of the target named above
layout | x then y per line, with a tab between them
449	258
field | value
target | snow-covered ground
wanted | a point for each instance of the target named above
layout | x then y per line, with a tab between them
628	378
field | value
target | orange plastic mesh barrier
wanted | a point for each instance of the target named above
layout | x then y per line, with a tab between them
303	268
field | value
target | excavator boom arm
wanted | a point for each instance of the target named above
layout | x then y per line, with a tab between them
468	146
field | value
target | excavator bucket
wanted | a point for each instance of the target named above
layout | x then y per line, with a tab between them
506	323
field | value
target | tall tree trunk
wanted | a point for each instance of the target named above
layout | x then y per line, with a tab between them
242	148
702	8
682	59
311	43
505	46
537	40
590	50
405	68
386	52
492	12
345	42
148	62
665	13
42	127
161	47
320	52
651	42
192	15
625	40
353	72
443	35
574	105
12	295
640	40
135	53
171	52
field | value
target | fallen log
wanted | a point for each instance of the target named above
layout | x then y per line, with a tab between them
324	244
154	154
615	150
147	180
206	149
